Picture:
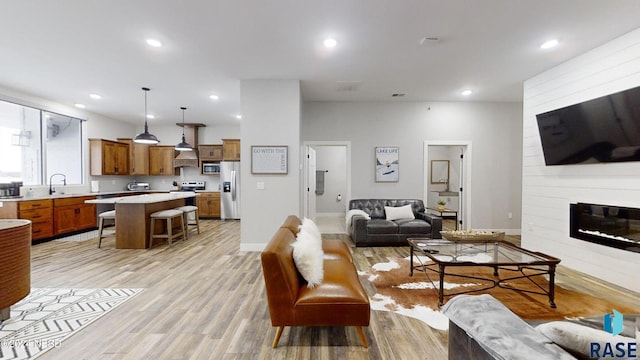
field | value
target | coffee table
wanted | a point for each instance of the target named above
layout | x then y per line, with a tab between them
499	255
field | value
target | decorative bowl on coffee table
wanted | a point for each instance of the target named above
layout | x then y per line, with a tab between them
472	235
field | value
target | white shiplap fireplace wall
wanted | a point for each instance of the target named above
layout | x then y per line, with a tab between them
547	191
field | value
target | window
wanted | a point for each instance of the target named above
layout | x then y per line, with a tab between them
36	144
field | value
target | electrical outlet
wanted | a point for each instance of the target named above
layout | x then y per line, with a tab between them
510	215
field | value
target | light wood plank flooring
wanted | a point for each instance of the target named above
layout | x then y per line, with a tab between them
204	299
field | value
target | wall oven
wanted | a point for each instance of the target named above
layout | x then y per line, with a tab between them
211	168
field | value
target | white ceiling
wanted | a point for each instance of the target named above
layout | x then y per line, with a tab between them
63	50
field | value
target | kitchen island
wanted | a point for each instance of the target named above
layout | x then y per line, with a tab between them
132	215
15	263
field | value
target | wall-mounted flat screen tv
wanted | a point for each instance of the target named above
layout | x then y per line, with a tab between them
606	129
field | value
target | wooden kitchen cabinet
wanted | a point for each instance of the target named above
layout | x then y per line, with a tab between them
231	149
210	152
138	157
72	214
108	157
208	204
161	160
40	212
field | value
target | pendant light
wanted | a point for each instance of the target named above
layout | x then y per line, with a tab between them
183	146
146	137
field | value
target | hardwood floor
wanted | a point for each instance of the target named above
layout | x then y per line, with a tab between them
204	299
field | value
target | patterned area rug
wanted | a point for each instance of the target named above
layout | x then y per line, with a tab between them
46	317
416	296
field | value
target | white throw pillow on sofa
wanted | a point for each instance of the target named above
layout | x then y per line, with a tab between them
399	213
307	253
577	338
309	227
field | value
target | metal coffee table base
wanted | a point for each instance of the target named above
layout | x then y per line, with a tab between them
532	272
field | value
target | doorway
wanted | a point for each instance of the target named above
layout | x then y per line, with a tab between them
447	177
327	183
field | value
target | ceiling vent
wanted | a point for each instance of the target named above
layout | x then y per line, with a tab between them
189	158
429	40
348	86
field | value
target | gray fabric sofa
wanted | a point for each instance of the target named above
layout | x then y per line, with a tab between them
378	231
481	327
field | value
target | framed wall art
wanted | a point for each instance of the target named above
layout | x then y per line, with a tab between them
387	163
269	160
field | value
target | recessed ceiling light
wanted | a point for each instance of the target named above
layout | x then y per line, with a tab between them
154	42
330	42
95	96
81	106
149	116
466	92
549	44
214	97
238	116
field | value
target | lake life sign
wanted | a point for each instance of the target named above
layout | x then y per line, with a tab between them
387	164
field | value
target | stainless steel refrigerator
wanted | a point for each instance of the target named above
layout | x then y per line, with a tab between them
230	192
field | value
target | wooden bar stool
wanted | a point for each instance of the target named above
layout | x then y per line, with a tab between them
106	215
189	209
168	216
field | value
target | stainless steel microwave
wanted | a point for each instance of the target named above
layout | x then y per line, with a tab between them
210	168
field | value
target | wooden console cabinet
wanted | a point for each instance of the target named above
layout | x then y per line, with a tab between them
138	157
208	204
211	153
72	214
108	157
161	160
231	149
40	212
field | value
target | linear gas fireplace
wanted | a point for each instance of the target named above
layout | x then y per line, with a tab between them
606	225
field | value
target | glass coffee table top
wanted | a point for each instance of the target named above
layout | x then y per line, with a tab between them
502	256
486	253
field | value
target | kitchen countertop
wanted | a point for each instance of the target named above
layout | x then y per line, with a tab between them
103	193
144	199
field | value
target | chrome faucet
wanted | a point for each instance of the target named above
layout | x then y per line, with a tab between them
64	182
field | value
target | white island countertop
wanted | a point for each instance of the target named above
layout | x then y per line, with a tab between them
144	199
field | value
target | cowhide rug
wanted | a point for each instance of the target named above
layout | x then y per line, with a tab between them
416	297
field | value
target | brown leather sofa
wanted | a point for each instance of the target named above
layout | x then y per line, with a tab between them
340	300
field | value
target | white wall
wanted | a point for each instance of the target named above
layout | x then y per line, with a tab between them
270	116
333	159
548	190
494	129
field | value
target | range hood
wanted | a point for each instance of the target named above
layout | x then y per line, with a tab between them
189	158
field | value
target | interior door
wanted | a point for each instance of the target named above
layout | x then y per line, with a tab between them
310	184
461	194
